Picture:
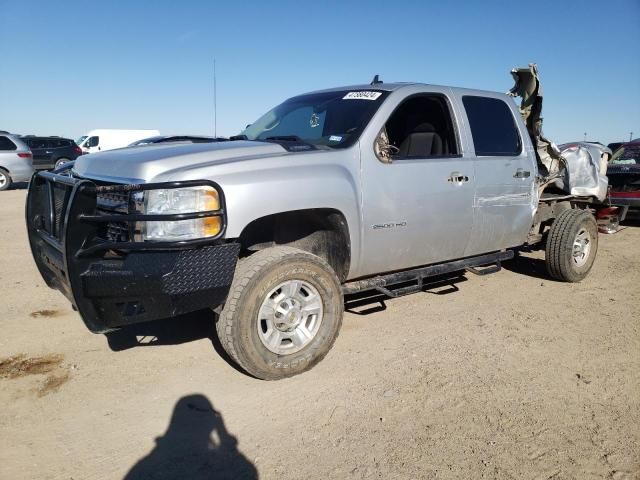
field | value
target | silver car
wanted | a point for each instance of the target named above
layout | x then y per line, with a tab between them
16	161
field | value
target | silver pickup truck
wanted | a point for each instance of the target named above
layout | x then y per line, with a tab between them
373	187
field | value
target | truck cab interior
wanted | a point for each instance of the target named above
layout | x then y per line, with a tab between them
421	127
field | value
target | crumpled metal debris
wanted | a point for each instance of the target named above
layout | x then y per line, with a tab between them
585	175
577	170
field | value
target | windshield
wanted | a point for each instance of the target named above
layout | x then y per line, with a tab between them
630	155
81	139
331	119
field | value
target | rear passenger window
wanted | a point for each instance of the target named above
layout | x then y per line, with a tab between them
493	127
37	143
6	144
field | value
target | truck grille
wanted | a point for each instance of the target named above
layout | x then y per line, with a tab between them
60	197
116	232
113	202
110	203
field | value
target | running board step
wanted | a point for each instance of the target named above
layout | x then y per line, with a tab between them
486	270
385	283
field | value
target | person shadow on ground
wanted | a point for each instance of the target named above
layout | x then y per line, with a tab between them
195	446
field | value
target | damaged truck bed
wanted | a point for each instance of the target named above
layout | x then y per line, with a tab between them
578	169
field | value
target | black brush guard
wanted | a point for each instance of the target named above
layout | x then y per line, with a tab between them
116	283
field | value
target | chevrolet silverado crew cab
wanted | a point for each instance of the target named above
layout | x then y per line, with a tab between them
369	187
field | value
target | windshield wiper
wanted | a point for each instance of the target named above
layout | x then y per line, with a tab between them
285	138
292	143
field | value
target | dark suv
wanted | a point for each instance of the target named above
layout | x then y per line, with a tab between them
51	152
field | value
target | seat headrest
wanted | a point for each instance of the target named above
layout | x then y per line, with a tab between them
423	128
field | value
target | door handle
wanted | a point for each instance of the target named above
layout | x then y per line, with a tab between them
47	152
520	173
457	177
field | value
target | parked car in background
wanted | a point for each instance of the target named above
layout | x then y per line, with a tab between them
51	152
624	175
16	161
109	139
176	138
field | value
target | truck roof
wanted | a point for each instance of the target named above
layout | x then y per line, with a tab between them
390	87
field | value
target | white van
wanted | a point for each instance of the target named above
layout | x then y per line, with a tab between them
108	139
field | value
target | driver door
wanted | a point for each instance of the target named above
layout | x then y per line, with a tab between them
92	145
417	207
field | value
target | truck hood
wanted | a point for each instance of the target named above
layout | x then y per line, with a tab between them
143	164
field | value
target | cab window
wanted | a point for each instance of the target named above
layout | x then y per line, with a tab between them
493	127
420	127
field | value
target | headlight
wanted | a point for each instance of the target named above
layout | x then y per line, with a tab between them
172	201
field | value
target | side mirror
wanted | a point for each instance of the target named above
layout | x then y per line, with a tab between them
383	149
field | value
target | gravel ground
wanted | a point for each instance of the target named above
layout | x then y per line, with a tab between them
511	375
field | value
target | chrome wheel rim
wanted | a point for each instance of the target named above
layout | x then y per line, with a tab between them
581	247
3	179
289	317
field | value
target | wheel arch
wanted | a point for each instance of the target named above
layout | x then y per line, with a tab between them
321	231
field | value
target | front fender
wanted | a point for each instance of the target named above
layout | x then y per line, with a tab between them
257	188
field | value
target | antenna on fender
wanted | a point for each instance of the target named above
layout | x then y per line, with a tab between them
376	80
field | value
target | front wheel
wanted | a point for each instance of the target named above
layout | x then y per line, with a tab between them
571	246
283	313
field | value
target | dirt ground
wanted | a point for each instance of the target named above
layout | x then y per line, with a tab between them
510	375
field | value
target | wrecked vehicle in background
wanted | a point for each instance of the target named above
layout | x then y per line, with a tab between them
366	188
624	175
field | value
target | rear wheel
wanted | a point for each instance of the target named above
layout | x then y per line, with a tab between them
5	180
571	246
61	162
283	313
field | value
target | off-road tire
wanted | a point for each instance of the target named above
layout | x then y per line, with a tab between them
6	185
559	247
254	277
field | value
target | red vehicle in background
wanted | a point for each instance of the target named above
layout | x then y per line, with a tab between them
624	175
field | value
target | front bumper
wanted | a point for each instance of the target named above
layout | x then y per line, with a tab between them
118	283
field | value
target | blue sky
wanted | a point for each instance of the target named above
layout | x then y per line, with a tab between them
68	67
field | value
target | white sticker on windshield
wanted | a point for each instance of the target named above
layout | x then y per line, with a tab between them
335	138
364	95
